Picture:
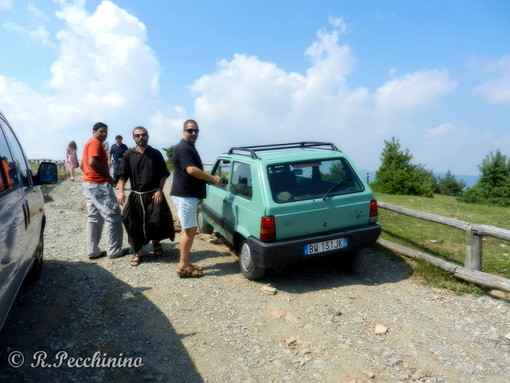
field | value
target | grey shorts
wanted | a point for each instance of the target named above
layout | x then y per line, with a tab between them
186	211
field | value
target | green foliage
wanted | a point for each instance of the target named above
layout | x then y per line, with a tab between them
449	185
169	153
434	276
442	241
397	175
493	187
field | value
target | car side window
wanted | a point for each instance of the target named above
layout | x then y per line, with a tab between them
8	178
222	169
241	183
18	163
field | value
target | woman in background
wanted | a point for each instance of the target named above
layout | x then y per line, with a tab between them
71	158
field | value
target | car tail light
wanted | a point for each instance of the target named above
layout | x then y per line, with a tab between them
267	229
373	211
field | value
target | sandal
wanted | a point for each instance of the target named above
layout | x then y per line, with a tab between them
136	260
158	250
190	272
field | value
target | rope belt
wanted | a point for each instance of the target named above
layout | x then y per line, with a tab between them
143	207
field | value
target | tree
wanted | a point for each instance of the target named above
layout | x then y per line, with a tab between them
169	153
449	185
493	187
397	175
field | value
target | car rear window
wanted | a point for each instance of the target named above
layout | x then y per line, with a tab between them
297	181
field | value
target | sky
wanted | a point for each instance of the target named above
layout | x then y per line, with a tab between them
433	74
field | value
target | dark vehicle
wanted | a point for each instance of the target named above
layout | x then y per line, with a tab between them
22	216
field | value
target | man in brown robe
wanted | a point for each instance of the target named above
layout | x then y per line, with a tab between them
147	215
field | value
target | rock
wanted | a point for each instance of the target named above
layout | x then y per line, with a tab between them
369	374
380	330
276	314
269	290
500	294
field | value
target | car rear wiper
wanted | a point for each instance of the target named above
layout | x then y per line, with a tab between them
334	188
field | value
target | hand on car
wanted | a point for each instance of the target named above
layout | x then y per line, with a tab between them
217	181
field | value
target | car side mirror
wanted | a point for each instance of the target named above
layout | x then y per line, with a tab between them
47	173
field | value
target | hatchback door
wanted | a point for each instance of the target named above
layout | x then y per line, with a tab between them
317	196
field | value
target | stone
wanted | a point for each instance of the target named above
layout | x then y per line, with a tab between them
276	314
499	294
380	329
269	290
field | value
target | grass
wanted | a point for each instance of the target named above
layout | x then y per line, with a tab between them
442	241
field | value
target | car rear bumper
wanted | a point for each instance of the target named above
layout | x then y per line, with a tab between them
278	253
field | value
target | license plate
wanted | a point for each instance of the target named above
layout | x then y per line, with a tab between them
321	247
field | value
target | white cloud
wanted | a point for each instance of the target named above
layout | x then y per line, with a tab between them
105	71
37	32
37	13
497	90
413	91
441	130
247	101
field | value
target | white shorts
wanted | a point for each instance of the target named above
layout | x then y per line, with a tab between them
186	211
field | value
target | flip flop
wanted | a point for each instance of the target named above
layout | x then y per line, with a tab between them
190	272
136	260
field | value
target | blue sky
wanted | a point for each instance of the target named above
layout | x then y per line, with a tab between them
433	74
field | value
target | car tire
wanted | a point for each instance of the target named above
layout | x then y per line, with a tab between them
249	269
203	226
37	265
346	261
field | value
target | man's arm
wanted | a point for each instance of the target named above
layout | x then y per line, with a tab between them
200	174
96	166
157	197
121	196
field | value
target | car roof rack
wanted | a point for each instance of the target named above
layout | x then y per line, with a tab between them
252	150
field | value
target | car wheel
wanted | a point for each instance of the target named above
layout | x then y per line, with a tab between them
248	267
346	261
35	271
202	224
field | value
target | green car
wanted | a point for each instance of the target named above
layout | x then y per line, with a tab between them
286	203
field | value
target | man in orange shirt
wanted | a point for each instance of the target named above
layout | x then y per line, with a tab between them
102	207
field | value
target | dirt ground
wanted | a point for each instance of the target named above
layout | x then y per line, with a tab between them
105	321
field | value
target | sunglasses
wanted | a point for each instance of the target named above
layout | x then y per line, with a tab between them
140	135
191	131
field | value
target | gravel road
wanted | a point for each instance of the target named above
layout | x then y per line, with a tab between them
105	321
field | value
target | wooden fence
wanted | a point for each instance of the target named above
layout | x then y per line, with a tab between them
472	270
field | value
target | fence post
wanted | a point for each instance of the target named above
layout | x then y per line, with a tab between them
473	249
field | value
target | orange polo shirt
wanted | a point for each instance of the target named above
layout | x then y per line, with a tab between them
94	148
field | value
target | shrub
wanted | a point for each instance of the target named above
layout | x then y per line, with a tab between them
397	175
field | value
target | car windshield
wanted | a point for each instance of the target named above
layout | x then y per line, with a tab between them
297	181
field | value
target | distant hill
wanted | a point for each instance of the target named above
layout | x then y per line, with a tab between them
469	180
